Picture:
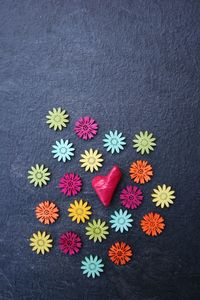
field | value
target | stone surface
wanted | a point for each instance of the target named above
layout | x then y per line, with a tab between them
132	65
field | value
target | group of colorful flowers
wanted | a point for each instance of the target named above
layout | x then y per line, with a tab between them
70	184
97	230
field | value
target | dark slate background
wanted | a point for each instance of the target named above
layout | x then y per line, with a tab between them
132	65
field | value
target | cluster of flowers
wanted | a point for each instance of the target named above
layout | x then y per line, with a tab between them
80	211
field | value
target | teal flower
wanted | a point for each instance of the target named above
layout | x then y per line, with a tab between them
114	141
63	150
121	221
92	266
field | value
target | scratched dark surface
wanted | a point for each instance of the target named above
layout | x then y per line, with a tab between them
132	65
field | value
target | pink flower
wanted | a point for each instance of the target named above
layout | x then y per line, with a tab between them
86	128
70	243
70	184
131	197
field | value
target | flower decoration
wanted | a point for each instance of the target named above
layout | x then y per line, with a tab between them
131	197
152	224
121	221
144	142
91	160
114	141
79	211
63	150
70	243
57	119
39	175
92	266
86	128
120	253
47	212
97	230
70	184
163	196
41	242
141	171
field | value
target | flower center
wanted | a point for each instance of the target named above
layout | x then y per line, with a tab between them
91	160
144	142
40	243
97	230
163	196
70	183
79	211
140	171
63	150
92	266
39	175
119	253
46	212
131	197
114	141
57	119
121	220
85	128
152	224
69	243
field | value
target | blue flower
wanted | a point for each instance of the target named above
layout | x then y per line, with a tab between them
92	266
114	141
63	150
121	220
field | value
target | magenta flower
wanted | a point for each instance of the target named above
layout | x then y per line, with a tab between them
131	197
70	184
70	243
86	128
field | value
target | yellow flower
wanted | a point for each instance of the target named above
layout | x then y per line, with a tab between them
163	196
79	211
91	160
41	242
57	118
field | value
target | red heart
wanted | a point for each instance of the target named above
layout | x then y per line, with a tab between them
105	186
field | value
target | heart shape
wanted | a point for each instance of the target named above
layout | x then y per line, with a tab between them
105	186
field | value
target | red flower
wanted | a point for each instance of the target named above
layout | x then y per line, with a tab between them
70	243
152	224
70	184
86	128
47	212
141	171
120	253
131	197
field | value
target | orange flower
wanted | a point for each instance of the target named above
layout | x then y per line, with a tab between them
141	171
120	253
47	212
152	224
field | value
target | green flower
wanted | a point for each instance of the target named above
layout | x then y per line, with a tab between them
57	118
39	175
92	266
97	230
114	141
144	142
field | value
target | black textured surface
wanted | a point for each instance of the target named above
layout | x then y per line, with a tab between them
132	65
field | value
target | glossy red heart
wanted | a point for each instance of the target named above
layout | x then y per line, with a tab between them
105	186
